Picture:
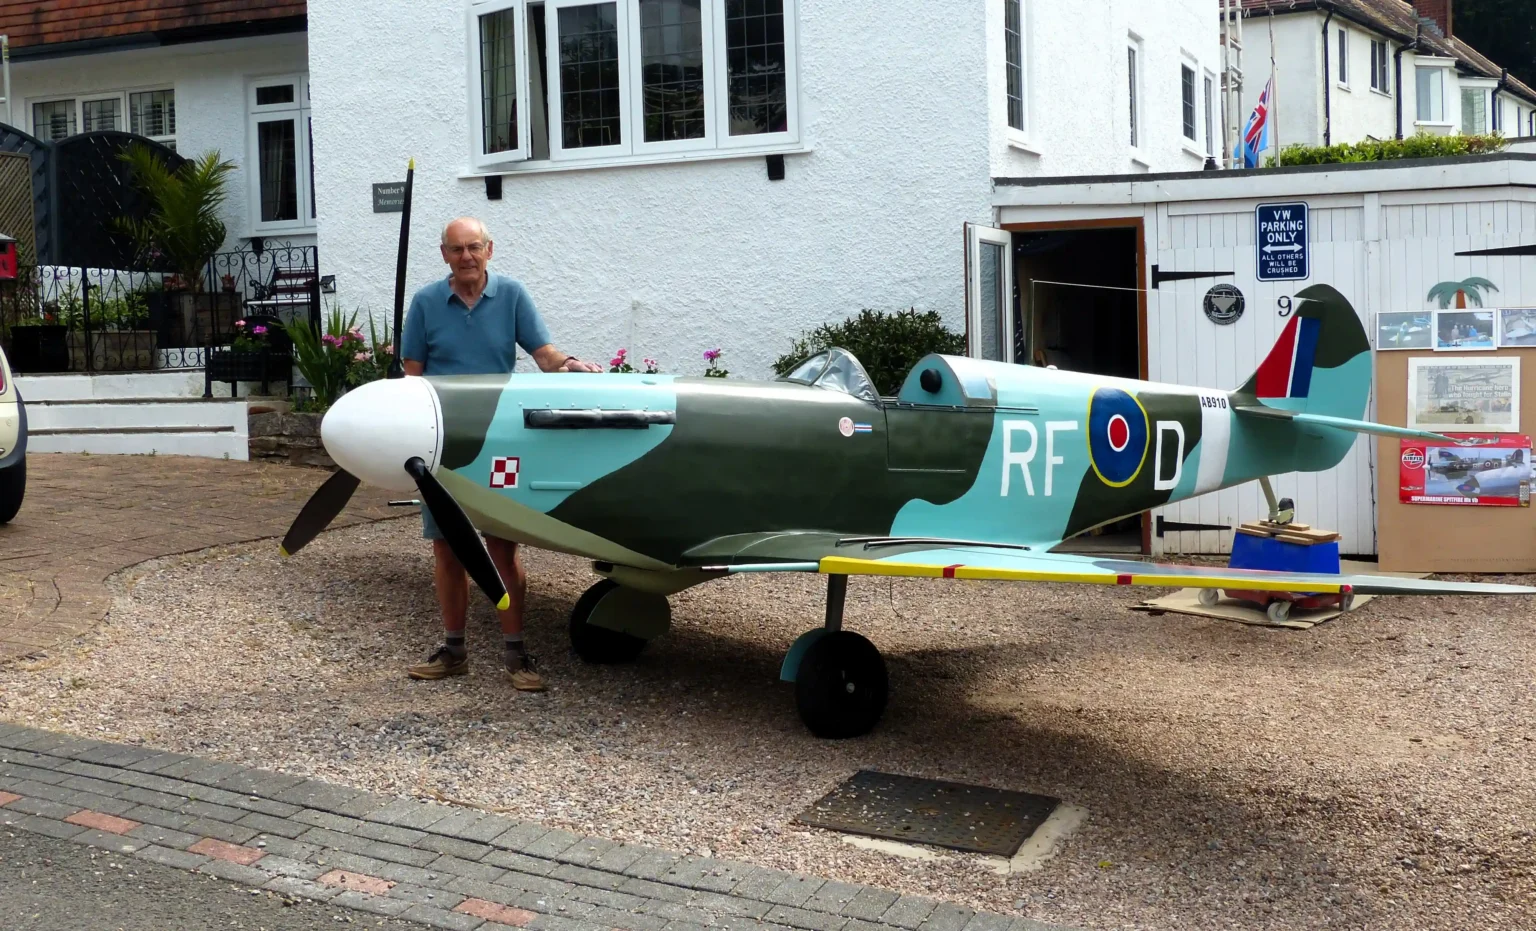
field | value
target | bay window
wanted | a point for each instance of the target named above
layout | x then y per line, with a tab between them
150	113
578	81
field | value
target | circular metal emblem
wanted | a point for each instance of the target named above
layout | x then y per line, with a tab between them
1413	458
845	426
1223	304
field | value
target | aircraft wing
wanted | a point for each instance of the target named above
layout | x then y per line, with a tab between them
1016	564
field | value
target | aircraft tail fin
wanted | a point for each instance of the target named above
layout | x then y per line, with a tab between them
1321	364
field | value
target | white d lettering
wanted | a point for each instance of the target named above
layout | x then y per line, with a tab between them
1158	482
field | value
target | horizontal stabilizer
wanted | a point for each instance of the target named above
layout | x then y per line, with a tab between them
1343	423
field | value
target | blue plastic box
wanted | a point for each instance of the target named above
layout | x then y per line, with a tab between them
1253	552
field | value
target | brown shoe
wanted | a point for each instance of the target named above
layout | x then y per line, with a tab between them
440	665
520	670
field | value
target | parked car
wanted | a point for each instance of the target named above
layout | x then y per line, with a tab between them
13	444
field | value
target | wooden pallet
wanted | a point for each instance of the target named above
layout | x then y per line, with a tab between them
1288	533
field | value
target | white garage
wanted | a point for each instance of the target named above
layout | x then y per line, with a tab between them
1111	275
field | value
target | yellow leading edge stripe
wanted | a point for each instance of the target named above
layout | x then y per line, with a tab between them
842	565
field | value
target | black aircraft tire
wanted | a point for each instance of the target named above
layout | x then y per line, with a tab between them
13	487
599	644
841	686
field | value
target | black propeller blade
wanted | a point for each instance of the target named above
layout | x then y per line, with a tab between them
321	508
459	532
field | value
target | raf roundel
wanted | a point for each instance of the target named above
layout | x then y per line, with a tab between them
1117	436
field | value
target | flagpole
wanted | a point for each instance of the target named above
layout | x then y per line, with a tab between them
1274	93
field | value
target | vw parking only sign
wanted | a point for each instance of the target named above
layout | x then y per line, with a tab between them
1282	242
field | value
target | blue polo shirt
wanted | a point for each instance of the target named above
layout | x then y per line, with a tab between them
449	338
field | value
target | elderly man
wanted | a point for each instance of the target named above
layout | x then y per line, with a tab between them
471	323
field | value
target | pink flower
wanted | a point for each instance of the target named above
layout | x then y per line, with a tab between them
711	355
259	330
616	362
650	362
239	323
361	357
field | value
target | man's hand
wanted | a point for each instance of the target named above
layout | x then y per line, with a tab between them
550	359
573	364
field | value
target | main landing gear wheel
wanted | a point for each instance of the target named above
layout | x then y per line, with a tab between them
1278	610
596	644
1208	597
841	686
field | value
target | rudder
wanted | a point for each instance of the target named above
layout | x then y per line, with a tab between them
1321	363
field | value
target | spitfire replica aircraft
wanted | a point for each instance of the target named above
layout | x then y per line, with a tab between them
974	471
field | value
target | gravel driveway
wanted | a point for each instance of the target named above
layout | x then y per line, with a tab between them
1373	772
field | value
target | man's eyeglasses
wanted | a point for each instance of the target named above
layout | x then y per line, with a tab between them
473	248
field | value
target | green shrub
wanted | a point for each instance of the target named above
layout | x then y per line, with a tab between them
1420	145
887	344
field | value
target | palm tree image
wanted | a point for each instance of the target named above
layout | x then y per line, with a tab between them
1445	291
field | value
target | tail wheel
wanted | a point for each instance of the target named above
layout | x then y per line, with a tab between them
13	487
1278	610
596	644
841	686
1208	597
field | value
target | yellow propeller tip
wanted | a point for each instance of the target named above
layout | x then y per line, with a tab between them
504	603
281	551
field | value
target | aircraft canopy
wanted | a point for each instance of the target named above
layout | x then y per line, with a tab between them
838	370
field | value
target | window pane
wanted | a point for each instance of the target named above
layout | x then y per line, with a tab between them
672	69
101	114
1430	104
589	76
1343	57
1474	111
278	157
756	67
1210	126
1187	97
1131	72
274	94
498	80
54	119
993	303
1013	30
152	113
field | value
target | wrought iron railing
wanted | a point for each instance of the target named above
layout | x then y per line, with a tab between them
59	319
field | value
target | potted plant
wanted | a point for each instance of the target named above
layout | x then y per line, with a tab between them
259	352
183	230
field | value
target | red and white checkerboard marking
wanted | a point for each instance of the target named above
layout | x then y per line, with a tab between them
504	472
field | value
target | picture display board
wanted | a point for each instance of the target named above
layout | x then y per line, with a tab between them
1472	392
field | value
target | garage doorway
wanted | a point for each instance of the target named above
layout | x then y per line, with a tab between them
1081	307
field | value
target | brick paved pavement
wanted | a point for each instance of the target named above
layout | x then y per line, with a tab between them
86	517
440	865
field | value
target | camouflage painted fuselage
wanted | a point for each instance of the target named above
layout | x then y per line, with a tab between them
737	471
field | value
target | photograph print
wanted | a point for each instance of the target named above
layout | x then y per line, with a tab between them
1412	329
1517	326
1464	395
1464	329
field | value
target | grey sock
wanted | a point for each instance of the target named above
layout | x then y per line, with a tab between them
515	646
456	644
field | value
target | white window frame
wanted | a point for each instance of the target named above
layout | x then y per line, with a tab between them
1208	89
123	96
1443	67
165	138
74	100
1341	57
717	141
1135	64
1192	138
1381	74
479	158
1482	88
1019	135
299	112
975	236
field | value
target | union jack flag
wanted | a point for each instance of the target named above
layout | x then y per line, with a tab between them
1256	133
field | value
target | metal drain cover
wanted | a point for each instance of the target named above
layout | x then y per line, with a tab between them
928	811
